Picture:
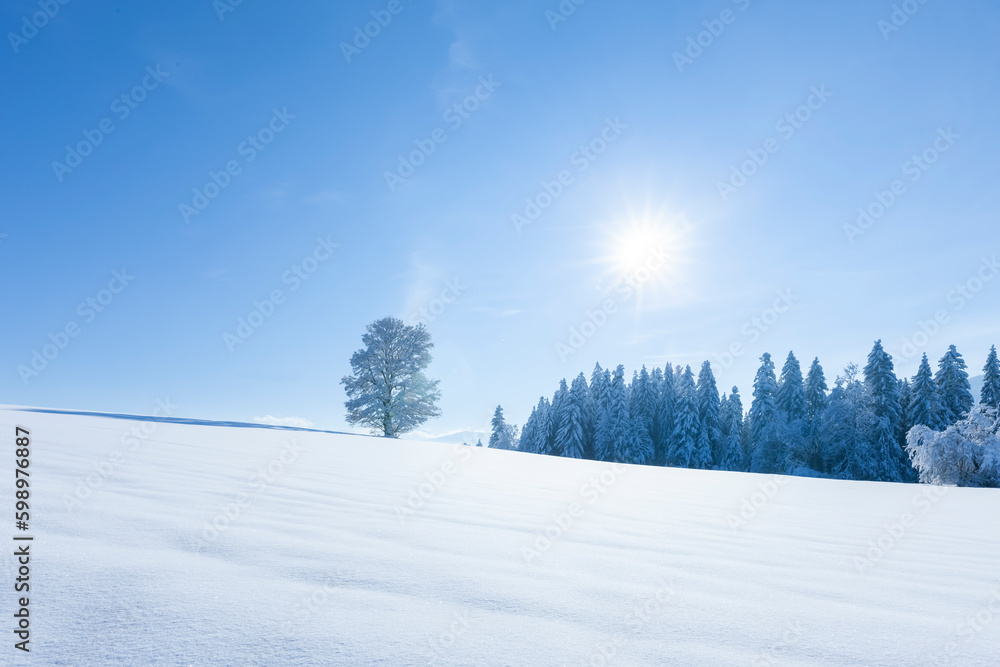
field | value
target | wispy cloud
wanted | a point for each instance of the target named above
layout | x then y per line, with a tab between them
326	197
283	421
496	312
424	283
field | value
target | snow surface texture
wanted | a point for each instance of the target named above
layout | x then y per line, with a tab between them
321	565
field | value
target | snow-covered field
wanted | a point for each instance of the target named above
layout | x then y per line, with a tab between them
348	550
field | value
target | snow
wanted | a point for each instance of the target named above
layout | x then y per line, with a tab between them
321	567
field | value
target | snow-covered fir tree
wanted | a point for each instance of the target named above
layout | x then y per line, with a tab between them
589	410
614	430
816	401
905	396
685	436
724	420
664	416
655	384
504	435
598	388
559	400
847	424
952	380
791	395
526	443
639	448
924	408
792	406
537	441
815	390
570	440
990	393
642	401
710	445
882	390
768	453
737	453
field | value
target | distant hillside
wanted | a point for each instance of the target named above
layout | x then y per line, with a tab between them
977	386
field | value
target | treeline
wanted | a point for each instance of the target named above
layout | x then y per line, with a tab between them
796	423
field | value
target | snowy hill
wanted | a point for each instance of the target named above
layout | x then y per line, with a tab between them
977	386
347	550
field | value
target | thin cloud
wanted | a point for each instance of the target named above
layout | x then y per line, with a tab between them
283	421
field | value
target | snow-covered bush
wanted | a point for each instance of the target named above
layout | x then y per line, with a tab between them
967	453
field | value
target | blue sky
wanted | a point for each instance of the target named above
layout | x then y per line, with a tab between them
661	133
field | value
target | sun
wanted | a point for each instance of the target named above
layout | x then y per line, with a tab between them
638	245
645	258
647	245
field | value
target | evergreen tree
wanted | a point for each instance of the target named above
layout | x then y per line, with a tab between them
952	380
724	425
529	433
737	456
665	416
768	453
905	398
642	402
570	439
559	400
639	449
589	414
598	402
815	390
606	404
882	390
924	408
710	444
791	396
655	386
685	436
504	435
537	441
816	401
614	432
990	393
847	422
792	406
598	387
